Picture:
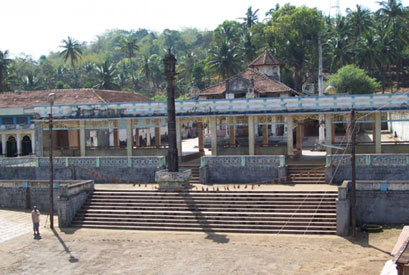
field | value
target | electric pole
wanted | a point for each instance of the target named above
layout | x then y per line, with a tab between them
353	176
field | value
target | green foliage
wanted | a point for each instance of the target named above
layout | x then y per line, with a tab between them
160	97
59	85
353	80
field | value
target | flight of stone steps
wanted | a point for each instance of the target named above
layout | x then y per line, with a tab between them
274	212
195	172
306	174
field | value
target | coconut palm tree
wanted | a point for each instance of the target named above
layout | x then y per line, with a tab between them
129	45
72	51
223	58
251	17
106	73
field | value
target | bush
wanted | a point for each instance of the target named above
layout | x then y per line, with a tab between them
353	80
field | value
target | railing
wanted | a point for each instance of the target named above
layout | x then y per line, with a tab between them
247	161
283	105
369	160
159	162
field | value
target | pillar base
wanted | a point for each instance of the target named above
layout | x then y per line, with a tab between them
173	180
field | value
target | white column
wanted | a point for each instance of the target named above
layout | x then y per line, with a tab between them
213	132
111	134
129	139
18	135
179	138
328	131
33	143
4	144
273	126
378	141
255	122
82	138
321	129
290	126
251	134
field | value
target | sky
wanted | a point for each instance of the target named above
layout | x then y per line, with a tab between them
36	27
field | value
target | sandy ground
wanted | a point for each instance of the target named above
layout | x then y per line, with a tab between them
88	251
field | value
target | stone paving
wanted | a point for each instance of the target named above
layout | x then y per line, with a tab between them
16	223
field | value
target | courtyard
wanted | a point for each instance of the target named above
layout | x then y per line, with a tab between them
89	251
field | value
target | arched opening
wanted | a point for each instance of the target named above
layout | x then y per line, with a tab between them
26	146
11	147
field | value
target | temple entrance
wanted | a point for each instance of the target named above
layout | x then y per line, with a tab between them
11	147
26	146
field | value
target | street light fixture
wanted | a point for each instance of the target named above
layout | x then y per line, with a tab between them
51	99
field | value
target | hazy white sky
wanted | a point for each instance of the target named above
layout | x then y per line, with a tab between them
36	27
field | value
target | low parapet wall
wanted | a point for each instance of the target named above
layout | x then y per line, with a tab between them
99	169
376	202
242	169
368	167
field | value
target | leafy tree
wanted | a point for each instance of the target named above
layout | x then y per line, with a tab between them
353	80
4	64
129	45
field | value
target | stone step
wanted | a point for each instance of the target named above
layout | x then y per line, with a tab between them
204	220
208	216
214	199
209	213
220	193
203	227
216	208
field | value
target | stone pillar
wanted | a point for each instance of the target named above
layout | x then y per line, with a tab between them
251	134
348	128
82	138
213	132
137	144
4	144
299	135
273	126
33	143
111	134
321	129
200	134
179	137
377	137
290	126
129	139
116	137
157	137
265	135
328	131
18	139
38	132
232	136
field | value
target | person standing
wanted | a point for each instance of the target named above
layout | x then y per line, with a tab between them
35	216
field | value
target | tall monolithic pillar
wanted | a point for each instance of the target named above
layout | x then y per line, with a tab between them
328	132
251	135
377	138
179	137
290	141
200	134
129	138
82	138
213	132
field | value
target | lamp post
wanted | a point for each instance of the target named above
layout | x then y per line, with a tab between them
170	73
51	99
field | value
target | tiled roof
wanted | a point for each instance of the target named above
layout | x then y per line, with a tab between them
266	59
262	84
66	96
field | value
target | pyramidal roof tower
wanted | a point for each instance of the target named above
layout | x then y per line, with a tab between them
268	64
